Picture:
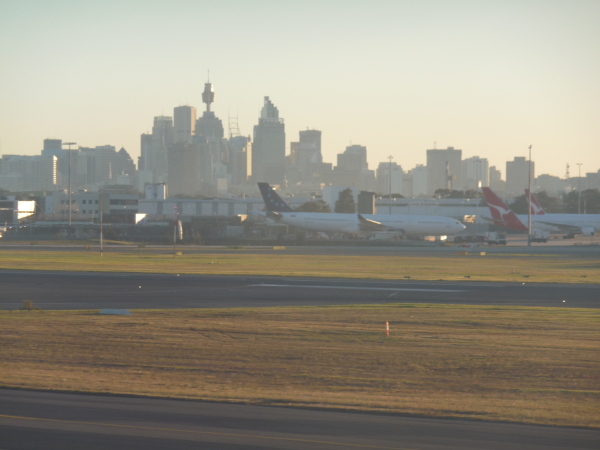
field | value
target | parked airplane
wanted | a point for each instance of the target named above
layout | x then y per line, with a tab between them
586	224
405	225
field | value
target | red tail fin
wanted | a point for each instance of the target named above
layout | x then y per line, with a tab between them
536	208
501	214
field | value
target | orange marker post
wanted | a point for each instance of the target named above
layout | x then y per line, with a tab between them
387	329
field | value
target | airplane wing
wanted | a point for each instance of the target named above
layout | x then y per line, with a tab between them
561	226
370	225
274	215
501	223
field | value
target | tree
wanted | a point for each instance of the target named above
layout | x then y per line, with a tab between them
314	206
519	206
345	202
551	205
393	196
590	202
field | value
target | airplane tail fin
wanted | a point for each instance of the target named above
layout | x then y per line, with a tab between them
501	214
536	208
273	202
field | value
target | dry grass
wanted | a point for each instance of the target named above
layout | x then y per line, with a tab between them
534	365
515	268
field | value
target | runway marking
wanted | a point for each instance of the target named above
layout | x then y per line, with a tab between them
357	287
201	432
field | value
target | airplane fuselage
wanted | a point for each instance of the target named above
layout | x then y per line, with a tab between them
545	221
350	223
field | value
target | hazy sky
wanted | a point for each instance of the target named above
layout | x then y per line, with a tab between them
488	77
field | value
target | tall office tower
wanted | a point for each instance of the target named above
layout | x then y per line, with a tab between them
28	173
239	159
109	166
305	157
474	170
52	147
268	149
154	149
383	178
183	169
517	175
353	170
497	184
184	123
551	185
444	169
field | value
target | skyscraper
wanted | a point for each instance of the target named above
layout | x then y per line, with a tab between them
353	170
154	148
473	170
184	123
306	157
444	168
268	149
517	175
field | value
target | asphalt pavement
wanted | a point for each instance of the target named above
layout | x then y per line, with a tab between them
42	420
93	290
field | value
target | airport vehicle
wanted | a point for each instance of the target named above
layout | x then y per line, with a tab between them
585	224
366	224
540	236
495	238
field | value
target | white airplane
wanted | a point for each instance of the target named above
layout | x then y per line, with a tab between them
586	224
405	225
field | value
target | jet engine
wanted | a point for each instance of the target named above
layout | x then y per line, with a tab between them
588	231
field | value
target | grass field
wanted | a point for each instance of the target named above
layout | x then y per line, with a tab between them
532	365
515	268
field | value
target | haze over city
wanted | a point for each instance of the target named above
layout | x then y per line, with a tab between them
398	77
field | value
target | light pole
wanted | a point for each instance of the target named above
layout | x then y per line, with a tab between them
529	204
390	184
101	236
69	144
579	189
477	195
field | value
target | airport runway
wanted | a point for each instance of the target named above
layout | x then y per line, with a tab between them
92	290
36	420
579	247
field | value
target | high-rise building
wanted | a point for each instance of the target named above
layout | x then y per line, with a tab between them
353	170
383	178
475	173
184	123
183	169
444	169
497	184
268	148
52	147
306	157
28	173
517	175
154	149
109	166
239	159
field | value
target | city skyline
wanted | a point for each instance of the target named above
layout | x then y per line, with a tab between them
393	76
